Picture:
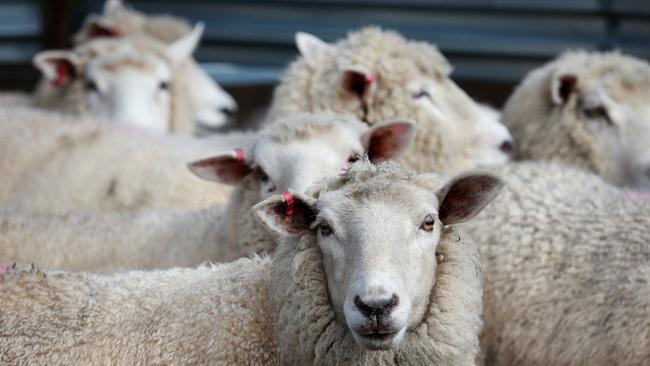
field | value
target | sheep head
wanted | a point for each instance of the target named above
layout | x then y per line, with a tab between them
609	100
377	75
378	235
211	106
295	152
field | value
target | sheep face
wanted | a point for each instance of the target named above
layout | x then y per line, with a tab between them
615	115
377	75
212	106
378	241
293	154
123	81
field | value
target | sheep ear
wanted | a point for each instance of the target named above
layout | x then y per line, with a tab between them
228	168
357	84
388	140
562	86
183	48
59	67
98	28
112	7
288	214
311	47
466	195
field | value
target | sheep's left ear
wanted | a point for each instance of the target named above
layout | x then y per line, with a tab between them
59	67
288	214
113	7
311	47
98	28
466	195
357	84
228	168
388	139
563	84
183	48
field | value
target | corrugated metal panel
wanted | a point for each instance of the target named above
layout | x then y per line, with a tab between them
249	41
20	30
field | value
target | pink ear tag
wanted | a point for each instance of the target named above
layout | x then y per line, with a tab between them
239	154
370	79
288	198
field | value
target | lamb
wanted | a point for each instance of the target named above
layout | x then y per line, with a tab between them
566	269
376	75
590	110
295	152
325	298
134	81
213	106
57	164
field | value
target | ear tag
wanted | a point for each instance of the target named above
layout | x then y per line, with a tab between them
239	154
288	198
62	74
370	79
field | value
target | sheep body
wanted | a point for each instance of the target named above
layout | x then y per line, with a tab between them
151	239
566	270
56	164
251	311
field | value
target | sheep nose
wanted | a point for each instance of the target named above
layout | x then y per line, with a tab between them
506	147
228	111
376	308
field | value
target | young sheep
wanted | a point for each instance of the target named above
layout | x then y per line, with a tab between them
134	81
587	109
212	106
378	75
295	152
56	164
566	262
404	289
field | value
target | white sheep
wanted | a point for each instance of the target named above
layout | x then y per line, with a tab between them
590	110
567	271
290	155
55	164
212	106
378	75
405	288
134	81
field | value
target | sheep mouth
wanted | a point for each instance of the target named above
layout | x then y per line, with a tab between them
379	340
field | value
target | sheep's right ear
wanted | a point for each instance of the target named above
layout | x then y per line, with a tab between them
288	214
466	195
59	67
311	47
182	49
227	168
98	28
388	139
562	86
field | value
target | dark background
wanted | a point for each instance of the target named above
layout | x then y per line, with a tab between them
247	43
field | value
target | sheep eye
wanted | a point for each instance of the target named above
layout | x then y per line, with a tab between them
428	223
354	157
164	85
325	230
91	85
597	113
422	94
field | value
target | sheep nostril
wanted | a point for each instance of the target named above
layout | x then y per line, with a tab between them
506	147
230	112
376	307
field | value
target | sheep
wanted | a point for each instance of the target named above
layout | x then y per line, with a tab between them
56	164
377	75
213	106
566	268
590	110
127	80
290	155
418	303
